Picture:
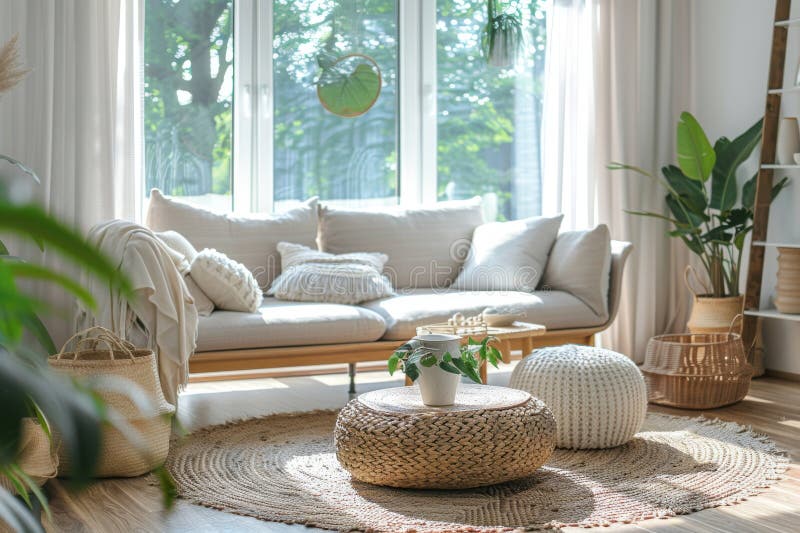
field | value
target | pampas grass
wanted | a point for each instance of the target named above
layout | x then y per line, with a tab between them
11	70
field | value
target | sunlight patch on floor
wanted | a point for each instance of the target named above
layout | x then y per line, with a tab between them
790	423
332	380
213	387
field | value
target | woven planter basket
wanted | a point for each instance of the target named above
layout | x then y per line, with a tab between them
98	354
37	455
711	314
697	371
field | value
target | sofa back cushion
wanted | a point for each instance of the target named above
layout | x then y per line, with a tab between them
426	246
580	264
251	240
508	256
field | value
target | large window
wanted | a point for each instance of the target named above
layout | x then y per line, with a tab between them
489	116
189	49
234	119
349	160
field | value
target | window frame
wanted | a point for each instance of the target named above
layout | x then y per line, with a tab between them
253	116
252	180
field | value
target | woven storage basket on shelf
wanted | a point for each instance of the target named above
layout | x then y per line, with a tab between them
697	371
37	455
98	354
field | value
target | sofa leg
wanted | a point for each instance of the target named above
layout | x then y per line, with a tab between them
351	371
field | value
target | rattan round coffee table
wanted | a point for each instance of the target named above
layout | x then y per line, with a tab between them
490	435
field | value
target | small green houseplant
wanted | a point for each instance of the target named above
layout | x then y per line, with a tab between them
712	221
439	361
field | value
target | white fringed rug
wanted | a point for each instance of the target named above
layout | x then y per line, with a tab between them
282	468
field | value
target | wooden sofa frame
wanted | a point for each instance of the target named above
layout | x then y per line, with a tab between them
352	353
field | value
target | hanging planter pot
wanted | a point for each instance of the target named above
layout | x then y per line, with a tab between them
503	38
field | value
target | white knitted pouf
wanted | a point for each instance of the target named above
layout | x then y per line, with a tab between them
598	397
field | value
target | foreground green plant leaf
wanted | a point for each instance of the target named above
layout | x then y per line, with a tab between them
696	157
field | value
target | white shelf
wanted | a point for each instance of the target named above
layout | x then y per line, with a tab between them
788	22
772	313
776	244
777	167
784	90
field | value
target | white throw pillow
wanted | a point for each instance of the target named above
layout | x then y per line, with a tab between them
178	242
250	239
580	264
508	256
179	245
312	276
227	282
426	245
202	302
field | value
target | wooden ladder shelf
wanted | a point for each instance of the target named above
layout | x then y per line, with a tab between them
766	171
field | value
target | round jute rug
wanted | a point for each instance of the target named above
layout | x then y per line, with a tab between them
282	468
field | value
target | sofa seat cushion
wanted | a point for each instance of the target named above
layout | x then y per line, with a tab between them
417	307
280	323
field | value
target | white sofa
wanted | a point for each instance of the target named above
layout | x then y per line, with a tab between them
426	247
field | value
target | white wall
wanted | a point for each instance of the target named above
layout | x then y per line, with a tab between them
731	41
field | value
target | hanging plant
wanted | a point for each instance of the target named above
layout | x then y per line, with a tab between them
348	86
503	38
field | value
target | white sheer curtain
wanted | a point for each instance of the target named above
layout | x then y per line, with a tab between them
76	118
616	80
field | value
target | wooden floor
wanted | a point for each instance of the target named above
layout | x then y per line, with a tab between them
773	407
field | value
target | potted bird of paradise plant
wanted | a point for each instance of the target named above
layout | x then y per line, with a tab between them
712	221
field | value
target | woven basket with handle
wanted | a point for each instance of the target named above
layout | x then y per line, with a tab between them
136	442
697	370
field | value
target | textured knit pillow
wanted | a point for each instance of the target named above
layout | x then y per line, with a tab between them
178	244
508	256
580	264
227	282
312	276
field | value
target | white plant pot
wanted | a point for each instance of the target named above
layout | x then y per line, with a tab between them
788	142
437	387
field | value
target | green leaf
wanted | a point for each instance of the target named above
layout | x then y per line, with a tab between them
448	367
394	360
651	215
169	491
466	366
691	192
738	239
622	166
778	187
682	215
27	270
411	371
696	157
33	222
717	235
21	490
428	360
34	325
749	192
346	91
16	515
729	157
33	488
694	244
3	249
